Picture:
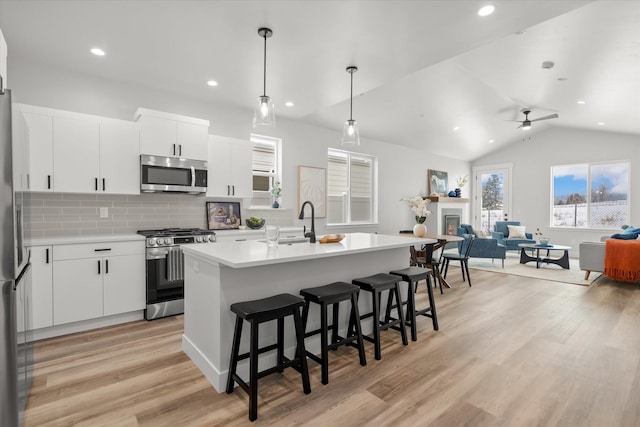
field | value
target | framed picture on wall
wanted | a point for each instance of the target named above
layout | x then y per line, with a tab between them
438	182
312	186
223	215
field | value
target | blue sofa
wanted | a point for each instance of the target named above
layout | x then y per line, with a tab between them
501	233
482	247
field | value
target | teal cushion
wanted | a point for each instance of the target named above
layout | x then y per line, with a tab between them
626	236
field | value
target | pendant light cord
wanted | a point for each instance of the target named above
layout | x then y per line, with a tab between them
351	102
264	84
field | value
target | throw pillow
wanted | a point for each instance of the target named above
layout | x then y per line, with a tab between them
625	236
516	231
480	233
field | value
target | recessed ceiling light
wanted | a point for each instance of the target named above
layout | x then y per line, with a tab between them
562	79
97	51
600	123
212	83
581	102
486	10
456	128
491	141
288	104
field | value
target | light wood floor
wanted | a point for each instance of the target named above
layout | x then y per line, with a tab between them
511	351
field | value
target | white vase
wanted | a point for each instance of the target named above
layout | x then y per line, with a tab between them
419	230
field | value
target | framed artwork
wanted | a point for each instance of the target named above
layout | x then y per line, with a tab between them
223	215
312	186
438	182
451	224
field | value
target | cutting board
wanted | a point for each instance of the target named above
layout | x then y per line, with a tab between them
331	238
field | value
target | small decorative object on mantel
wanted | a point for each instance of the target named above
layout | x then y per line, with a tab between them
276	191
419	208
461	181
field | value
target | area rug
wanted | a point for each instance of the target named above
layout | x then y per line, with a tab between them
546	271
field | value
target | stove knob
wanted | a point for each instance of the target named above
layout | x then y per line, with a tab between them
152	241
199	239
167	241
212	238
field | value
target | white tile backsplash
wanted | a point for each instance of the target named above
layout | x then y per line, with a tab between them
72	214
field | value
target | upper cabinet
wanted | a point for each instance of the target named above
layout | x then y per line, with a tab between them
229	167
171	135
3	62
79	153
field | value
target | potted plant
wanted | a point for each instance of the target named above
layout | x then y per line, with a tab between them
276	191
419	208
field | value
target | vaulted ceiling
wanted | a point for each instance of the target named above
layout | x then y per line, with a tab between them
425	67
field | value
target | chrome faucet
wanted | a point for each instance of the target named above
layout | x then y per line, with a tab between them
311	234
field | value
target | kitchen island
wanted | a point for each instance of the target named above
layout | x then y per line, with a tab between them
218	275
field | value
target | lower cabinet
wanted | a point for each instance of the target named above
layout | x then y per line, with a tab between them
42	286
75	282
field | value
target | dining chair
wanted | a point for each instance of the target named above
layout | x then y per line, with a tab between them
427	261
463	257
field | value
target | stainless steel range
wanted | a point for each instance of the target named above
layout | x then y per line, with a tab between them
165	268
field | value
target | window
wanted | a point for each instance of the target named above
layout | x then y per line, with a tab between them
350	193
265	167
592	195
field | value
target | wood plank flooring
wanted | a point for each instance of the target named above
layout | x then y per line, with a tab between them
511	351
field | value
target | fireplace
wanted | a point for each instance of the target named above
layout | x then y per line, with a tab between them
450	224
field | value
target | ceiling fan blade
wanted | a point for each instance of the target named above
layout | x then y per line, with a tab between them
550	116
519	127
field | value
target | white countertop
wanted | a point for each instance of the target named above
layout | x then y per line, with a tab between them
67	240
252	253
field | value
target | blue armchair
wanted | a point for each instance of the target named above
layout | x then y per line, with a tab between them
482	247
501	233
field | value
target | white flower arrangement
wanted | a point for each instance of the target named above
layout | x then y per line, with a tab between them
418	207
462	181
276	190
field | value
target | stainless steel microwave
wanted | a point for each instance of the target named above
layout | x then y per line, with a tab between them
172	175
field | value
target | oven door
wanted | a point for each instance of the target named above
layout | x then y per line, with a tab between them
165	274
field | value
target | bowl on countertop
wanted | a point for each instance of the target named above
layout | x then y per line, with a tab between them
255	224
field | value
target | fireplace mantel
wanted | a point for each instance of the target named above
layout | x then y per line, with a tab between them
436	199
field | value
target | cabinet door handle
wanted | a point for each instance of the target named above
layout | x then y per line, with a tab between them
98	266
233	190
28	182
96	184
49	182
102	250
104	184
174	149
228	190
180	148
106	266
47	256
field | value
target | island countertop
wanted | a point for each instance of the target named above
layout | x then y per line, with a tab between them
253	253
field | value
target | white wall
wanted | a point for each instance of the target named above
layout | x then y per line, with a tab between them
402	171
532	161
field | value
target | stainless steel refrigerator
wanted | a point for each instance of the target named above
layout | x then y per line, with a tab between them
16	352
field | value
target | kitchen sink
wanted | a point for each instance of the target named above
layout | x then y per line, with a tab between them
290	240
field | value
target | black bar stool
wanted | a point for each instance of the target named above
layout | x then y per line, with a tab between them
332	294
412	275
377	284
259	311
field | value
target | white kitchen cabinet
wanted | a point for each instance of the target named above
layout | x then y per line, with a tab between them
42	285
124	284
77	290
172	135
76	151
230	163
93	280
119	157
3	62
40	151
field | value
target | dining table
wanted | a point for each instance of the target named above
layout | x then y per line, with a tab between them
436	241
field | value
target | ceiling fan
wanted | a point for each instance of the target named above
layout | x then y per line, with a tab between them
526	123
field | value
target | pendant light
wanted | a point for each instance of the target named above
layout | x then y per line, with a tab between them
264	114
350	133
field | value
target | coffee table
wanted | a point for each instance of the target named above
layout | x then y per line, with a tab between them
563	261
